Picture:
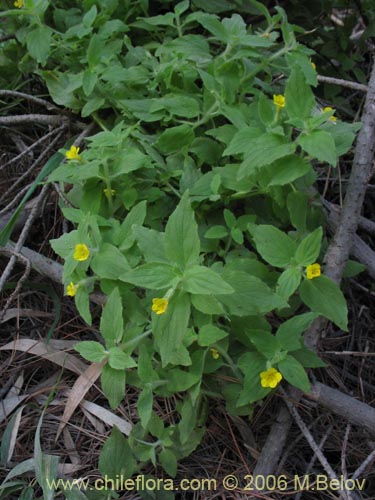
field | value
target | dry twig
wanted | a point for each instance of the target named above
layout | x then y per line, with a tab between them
342	83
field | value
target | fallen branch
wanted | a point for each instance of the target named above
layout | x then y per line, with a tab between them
359	250
36	118
49	268
349	408
342	83
36	100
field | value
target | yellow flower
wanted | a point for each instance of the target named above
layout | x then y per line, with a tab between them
279	101
215	353
313	271
72	154
109	192
270	378
19	4
159	306
71	289
327	109
81	252
313	64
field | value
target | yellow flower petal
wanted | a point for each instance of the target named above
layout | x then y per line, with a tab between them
271	378
109	192
19	4
159	306
313	64
313	271
327	109
71	289
72	154
279	101
215	353
81	252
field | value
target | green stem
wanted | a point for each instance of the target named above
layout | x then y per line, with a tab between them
230	361
264	64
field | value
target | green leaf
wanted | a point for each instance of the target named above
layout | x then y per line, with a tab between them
207	304
90	16
151	243
113	385
352	269
128	160
241	139
170	328
39	43
297	207
126	234
288	282
116	458
120	360
82	302
90	350
229	218
266	110
276	247
294	373
175	138
308	358
252	364
109	262
209	334
93	104
168	461
175	104
266	343
214	26
251	295
289	333
182	243
204	281
299	99
216	232
319	144
144	405
288	169
343	134
111	321
309	248
237	235
323	296
94	50
61	87
264	151
181	380
181	7
153	275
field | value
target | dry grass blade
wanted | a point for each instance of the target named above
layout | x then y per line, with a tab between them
78	391
13	434
108	417
30	313
8	405
52	352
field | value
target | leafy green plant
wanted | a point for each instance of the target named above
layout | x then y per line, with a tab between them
192	207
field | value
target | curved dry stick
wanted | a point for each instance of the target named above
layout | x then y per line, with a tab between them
336	258
342	83
37	118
